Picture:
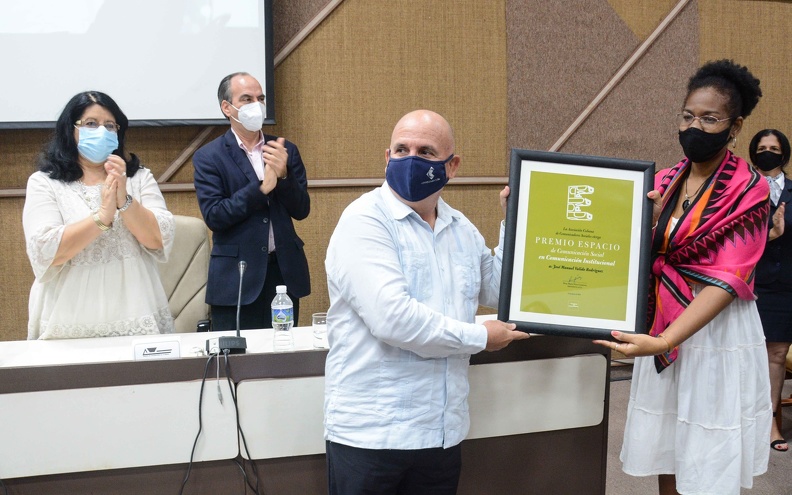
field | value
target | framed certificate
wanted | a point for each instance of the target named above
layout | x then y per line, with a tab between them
576	249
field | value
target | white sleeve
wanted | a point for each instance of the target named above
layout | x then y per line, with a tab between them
43	225
151	198
363	263
491	267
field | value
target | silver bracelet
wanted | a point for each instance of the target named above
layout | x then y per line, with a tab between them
126	204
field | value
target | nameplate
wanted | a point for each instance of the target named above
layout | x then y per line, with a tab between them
160	349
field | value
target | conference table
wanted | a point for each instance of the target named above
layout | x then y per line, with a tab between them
100	416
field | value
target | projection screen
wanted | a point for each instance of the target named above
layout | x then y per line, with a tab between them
161	60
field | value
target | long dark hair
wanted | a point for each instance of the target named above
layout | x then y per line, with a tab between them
782	140
60	157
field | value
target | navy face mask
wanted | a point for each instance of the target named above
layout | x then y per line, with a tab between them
415	178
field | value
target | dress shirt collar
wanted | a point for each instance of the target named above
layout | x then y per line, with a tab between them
399	210
258	145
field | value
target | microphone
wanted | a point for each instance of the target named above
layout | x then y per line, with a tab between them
242	267
234	344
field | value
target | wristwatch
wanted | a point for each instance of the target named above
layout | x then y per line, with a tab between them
126	204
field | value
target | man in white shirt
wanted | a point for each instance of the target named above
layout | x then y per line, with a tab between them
406	273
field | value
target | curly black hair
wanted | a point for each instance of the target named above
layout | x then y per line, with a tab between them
59	159
732	80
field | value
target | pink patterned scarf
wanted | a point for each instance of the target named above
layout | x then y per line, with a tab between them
717	241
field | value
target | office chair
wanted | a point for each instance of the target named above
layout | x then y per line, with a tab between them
184	275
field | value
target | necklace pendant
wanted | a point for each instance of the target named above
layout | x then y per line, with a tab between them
685	204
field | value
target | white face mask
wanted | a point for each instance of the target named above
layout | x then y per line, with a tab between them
251	116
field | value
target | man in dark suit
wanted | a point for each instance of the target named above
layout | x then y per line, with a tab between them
250	186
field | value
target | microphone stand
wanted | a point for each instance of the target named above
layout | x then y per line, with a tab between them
234	344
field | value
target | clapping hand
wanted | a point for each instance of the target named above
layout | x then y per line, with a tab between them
108	207
275	156
778	223
116	175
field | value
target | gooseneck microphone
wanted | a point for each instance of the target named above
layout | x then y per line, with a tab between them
242	267
234	344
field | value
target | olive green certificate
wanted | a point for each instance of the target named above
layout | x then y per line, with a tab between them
577	246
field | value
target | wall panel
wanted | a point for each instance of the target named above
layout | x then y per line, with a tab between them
289	18
339	95
637	120
754	33
561	54
642	17
16	276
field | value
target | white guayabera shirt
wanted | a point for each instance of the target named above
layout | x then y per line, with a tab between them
403	299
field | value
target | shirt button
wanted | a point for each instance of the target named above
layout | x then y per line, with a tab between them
266	220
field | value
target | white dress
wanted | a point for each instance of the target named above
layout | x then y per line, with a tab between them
706	418
112	287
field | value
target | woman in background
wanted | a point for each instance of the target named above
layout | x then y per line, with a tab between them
769	151
699	412
95	226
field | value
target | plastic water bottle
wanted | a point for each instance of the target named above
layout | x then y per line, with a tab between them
282	320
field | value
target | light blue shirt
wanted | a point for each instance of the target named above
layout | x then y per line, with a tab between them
403	300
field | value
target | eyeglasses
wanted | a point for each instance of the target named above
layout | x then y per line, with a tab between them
685	119
92	124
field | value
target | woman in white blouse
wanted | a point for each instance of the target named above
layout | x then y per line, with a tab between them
95	226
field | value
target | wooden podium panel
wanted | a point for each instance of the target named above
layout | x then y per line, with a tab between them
92	429
539	407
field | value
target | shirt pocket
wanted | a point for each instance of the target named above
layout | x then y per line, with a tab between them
417	271
466	273
457	386
405	391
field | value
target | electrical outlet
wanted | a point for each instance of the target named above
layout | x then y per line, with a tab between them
213	346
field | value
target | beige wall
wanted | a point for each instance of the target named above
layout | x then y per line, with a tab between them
338	96
504	72
754	33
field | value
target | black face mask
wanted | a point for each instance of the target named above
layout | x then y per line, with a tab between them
767	161
700	146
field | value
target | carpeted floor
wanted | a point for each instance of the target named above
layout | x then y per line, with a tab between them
777	480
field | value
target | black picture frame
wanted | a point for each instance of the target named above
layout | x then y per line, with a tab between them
569	306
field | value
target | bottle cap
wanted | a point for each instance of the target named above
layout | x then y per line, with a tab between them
280	289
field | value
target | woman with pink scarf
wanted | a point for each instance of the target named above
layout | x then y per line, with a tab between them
699	413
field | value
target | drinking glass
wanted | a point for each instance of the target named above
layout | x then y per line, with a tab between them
319	324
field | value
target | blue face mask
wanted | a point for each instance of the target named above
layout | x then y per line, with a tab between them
95	145
415	178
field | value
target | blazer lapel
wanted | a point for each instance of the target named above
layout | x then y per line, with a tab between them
239	157
786	193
